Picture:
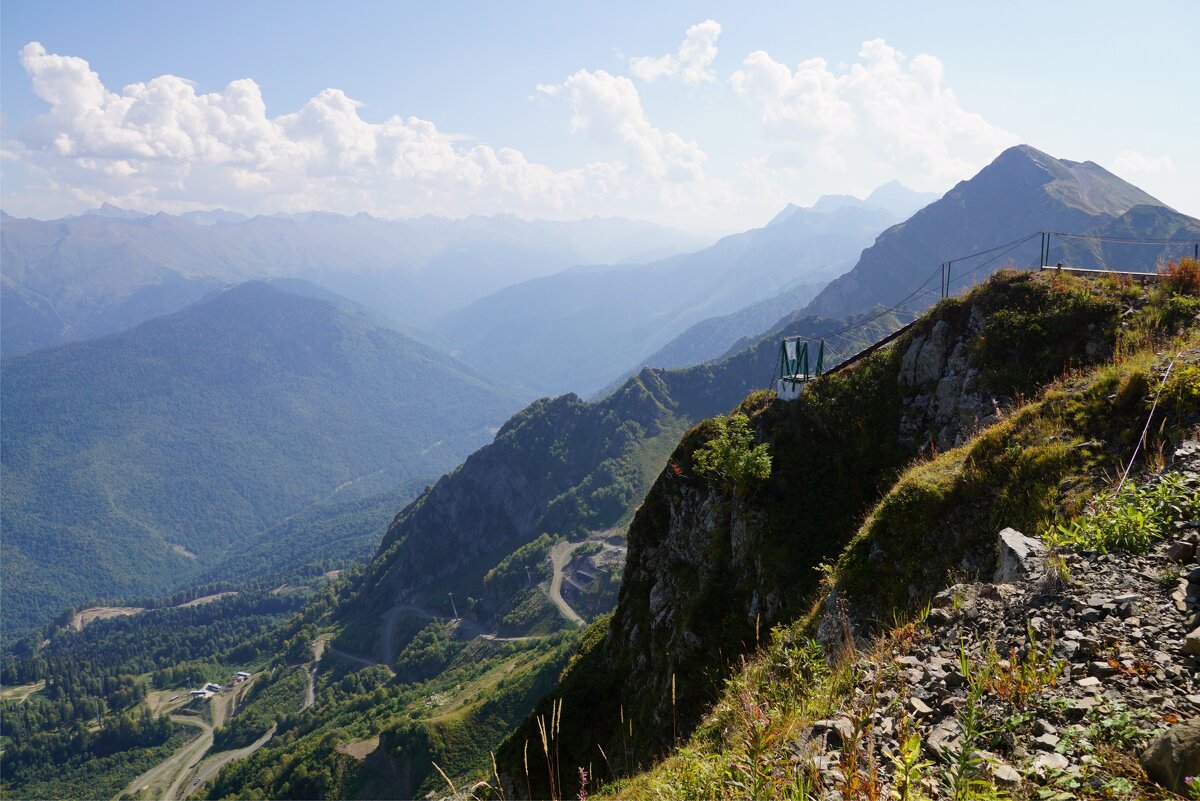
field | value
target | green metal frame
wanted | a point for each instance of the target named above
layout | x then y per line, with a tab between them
796	371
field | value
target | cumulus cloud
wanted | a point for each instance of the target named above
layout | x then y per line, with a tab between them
608	108
690	64
886	109
163	144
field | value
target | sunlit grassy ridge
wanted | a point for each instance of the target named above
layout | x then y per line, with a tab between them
891	521
1033	469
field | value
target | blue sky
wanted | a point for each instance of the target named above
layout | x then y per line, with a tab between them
703	116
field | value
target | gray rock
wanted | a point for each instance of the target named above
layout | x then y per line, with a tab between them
1048	762
919	707
1171	757
1191	643
834	732
1004	773
1046	742
1180	551
1019	556
943	738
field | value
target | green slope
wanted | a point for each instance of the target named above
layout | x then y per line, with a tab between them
709	571
198	431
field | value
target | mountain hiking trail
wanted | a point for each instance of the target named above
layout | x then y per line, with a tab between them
560	555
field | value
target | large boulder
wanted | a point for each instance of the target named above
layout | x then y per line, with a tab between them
1173	756
1019	557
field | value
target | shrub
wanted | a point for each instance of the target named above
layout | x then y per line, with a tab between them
732	456
1182	276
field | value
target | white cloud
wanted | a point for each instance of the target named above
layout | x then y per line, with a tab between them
690	64
608	108
1133	163
163	145
886	109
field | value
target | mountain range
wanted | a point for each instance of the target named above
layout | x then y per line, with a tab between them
109	269
273	429
579	329
132	462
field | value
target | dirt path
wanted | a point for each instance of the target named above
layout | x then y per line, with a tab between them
560	555
359	660
310	694
163	780
207	769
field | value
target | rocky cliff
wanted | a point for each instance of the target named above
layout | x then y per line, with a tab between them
711	571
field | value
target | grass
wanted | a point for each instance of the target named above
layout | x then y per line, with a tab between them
1034	470
1073	365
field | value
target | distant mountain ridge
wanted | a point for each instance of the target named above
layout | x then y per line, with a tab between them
893	197
580	329
209	426
110	269
1023	191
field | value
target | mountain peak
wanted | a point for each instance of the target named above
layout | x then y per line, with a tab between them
107	209
1024	190
893	197
899	199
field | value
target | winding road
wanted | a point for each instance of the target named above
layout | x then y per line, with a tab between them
310	693
560	556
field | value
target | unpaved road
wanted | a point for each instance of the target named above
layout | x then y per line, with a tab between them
165	777
310	694
560	555
173	772
361	660
212	764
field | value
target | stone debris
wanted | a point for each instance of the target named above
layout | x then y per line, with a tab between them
1123	631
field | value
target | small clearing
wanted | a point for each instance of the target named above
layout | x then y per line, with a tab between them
179	549
206	599
20	692
85	616
358	749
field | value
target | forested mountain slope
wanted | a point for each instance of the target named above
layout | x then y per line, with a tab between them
134	461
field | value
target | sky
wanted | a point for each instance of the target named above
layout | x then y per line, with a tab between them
707	117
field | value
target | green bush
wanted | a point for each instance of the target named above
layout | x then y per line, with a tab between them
1132	518
732	456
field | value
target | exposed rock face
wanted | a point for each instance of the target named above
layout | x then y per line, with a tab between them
945	396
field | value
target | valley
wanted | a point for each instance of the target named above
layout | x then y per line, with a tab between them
669	581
